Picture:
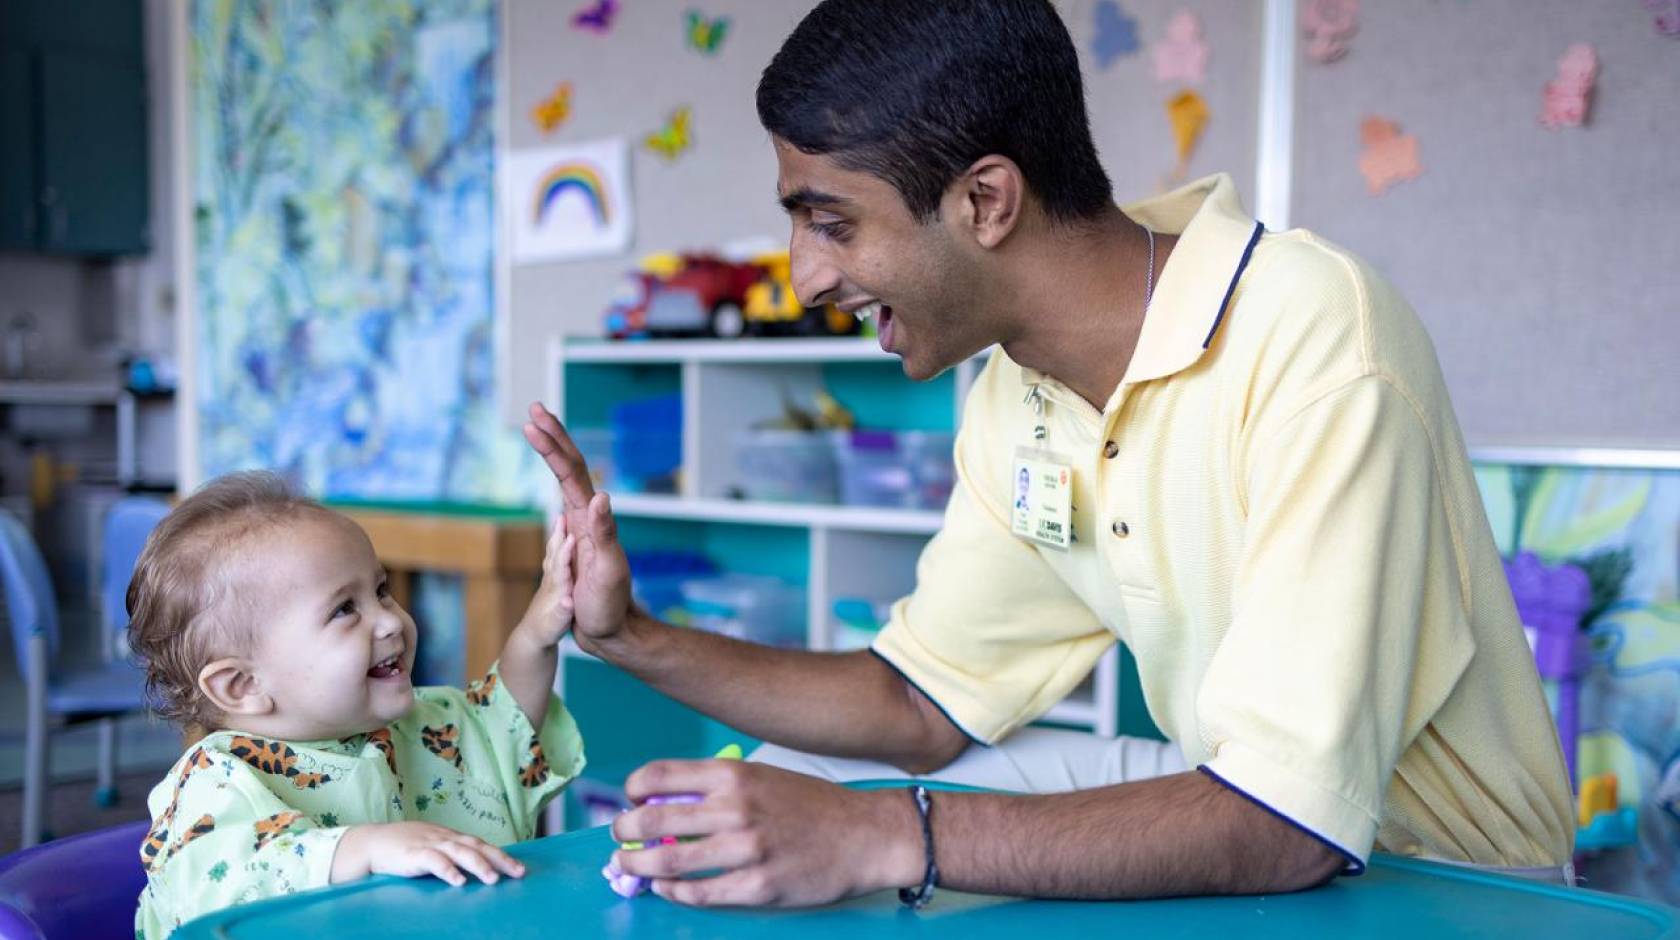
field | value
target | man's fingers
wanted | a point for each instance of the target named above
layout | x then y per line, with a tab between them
747	887
726	850
681	776
705	818
469	857
603	528
548	438
571	474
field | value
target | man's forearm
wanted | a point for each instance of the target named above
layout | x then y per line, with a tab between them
1178	835
840	704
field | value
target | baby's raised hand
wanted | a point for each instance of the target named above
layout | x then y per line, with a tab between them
413	849
550	615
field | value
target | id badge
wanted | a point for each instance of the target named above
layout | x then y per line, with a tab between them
1042	502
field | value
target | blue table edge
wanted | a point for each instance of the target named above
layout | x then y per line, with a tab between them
228	919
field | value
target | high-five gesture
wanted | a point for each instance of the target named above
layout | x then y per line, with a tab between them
601	586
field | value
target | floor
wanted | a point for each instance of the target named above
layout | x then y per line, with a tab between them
70	808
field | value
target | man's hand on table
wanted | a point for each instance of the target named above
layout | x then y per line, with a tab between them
777	838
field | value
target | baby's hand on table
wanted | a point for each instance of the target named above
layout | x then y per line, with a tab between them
413	849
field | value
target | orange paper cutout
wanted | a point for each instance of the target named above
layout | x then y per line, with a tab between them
551	112
1188	112
1389	157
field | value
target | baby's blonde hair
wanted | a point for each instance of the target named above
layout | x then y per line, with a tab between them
181	616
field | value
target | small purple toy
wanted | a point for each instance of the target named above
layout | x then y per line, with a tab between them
627	885
631	885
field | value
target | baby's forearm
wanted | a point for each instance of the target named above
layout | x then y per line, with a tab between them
527	669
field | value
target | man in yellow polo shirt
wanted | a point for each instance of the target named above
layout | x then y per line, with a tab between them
1240	459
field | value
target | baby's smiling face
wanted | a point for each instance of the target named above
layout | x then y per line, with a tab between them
333	651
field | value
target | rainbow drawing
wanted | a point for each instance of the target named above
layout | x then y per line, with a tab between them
573	174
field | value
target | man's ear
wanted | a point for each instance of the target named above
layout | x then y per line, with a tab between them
233	689
990	196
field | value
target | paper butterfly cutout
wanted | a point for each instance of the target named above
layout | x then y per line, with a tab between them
1389	156
1188	113
1330	25
1666	15
1116	34
1566	98
672	139
705	35
1183	54
597	18
551	112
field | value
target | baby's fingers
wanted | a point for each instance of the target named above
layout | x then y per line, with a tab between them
434	862
505	863
568	561
470	858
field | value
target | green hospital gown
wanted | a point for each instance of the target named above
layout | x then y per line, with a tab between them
241	818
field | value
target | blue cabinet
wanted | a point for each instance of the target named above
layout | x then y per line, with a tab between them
73	143
17	153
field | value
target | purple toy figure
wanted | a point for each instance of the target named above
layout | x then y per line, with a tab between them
1551	602
626	885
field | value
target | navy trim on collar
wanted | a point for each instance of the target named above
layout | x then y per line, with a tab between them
1248	252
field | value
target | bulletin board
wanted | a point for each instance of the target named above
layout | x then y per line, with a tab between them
1542	261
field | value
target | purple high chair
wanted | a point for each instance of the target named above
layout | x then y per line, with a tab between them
82	887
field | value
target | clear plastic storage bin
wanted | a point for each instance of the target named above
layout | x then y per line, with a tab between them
896	469
785	466
748	607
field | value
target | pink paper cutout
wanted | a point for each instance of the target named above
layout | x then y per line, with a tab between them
1567	98
1389	156
1329	25
1183	55
1666	16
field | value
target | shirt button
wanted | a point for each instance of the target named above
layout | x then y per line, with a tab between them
1111	450
1120	528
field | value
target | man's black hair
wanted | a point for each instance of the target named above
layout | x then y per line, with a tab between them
914	91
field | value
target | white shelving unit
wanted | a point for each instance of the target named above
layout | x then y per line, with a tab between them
730	385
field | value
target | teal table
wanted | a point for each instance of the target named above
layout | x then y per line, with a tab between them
563	895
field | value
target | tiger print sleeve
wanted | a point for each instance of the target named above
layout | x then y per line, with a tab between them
532	764
219	837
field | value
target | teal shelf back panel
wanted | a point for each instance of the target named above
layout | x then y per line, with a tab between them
883	399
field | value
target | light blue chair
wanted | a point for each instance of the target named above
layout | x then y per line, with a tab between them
127	524
101	693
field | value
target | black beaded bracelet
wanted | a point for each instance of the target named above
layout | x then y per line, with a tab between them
918	897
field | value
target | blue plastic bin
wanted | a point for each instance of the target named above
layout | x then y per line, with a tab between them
647	444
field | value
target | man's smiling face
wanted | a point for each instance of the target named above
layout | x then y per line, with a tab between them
855	244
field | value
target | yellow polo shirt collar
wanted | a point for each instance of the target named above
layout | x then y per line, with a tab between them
1216	239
